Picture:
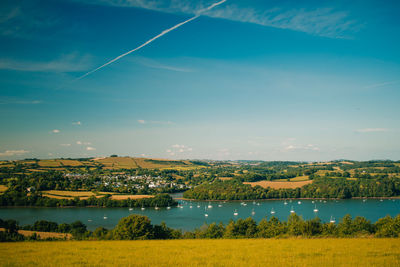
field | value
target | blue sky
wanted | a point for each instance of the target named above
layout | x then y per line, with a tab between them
268	80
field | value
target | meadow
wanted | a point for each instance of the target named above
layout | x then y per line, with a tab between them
279	185
225	252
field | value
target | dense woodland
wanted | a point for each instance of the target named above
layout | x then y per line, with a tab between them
140	227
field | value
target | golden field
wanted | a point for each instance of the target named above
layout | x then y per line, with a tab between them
61	194
43	235
3	188
223	252
279	185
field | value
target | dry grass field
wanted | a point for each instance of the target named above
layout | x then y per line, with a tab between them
115	163
3	188
43	235
300	178
225	178
279	185
225	252
60	194
122	197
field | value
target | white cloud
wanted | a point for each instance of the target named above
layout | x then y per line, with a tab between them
83	143
10	153
323	21
377	85
309	147
77	123
89	148
371	130
66	145
55	131
142	121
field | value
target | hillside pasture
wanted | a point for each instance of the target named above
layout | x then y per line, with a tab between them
279	185
123	197
116	163
205	252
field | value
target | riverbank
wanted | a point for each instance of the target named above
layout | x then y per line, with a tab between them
275	199
225	252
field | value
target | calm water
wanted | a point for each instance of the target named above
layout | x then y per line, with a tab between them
187	218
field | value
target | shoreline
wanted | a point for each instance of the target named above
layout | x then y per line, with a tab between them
265	199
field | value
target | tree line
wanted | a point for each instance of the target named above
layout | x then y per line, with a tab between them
138	227
320	188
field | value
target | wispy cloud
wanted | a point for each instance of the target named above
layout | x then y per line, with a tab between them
56	131
150	63
322	21
66	63
383	84
65	145
371	130
89	148
77	123
19	102
155	122
178	149
10	153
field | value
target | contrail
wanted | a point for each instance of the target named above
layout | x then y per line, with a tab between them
153	39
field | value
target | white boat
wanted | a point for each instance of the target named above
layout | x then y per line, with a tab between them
219	205
332	220
272	211
105	217
205	212
198	206
191	206
156	208
285	202
143	208
130	208
312	201
292	210
235	213
253	212
89	220
209	206
254	202
258	204
181	206
299	202
315	209
168	208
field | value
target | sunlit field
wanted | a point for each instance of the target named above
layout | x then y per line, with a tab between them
226	252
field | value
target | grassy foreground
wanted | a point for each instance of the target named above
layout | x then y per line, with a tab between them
223	252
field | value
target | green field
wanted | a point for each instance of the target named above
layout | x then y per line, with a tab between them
225	252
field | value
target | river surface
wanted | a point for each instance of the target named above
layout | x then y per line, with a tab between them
191	215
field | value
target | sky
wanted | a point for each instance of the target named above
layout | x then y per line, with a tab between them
250	80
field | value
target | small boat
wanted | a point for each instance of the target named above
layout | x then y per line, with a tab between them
130	208
299	202
105	217
191	206
254	202
332	220
181	206
364	200
324	201
219	205
253	212
381	200
168	208
315	209
198	206
292	210
209	206
258	204
235	213
285	202
89	220
143	208
205	212
156	208
312	201
272	211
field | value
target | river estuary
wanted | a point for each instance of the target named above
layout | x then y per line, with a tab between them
192	215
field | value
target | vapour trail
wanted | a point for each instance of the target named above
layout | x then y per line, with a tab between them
153	39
